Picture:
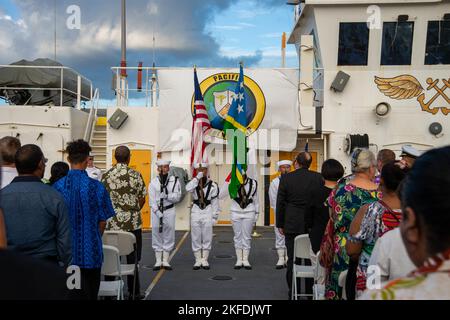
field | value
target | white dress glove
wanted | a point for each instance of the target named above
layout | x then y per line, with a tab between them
159	214
199	175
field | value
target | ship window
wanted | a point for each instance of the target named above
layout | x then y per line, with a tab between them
438	42
397	43
353	44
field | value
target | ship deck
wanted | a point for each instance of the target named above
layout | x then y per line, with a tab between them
263	282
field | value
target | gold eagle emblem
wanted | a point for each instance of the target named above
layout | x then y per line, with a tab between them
399	88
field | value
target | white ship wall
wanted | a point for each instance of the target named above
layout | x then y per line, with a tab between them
352	111
48	127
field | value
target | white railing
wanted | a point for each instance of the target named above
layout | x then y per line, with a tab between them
61	88
149	90
92	119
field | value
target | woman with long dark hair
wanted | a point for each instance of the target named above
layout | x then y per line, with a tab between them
59	170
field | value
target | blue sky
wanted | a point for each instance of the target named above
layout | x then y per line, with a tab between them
247	27
213	33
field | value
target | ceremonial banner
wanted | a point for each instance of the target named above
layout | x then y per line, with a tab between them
271	101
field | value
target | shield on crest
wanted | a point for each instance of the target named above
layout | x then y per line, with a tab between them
223	101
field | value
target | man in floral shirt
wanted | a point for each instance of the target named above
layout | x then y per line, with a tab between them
127	190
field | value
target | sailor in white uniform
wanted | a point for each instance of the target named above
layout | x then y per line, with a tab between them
164	192
92	171
204	214
284	167
244	214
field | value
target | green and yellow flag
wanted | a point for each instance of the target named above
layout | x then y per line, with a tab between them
235	128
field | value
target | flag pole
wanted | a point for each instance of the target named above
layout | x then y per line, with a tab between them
255	234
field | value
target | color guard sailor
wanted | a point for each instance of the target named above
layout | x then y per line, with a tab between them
164	193
244	214
284	167
204	214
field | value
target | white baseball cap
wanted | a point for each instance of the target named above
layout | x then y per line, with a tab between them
284	163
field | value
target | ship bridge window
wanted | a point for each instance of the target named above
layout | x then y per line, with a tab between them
438	42
397	43
353	44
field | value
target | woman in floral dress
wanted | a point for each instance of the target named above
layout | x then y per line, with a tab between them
374	220
345	202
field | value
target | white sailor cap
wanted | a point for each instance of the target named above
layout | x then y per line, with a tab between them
200	165
161	162
284	163
410	151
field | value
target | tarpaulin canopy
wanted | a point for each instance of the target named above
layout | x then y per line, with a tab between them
41	83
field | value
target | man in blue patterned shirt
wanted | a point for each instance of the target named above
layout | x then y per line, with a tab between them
89	207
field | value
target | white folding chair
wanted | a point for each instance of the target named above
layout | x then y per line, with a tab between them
301	251
111	266
318	287
341	283
125	242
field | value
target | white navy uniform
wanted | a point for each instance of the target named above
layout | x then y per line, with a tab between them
163	242
203	219
273	192
243	220
279	238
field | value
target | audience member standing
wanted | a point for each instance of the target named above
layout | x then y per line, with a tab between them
345	202
409	155
332	171
374	220
390	257
384	156
36	217
59	170
425	231
92	171
89	208
295	201
8	149
127	190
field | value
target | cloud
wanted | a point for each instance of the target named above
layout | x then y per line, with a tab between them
239	26
179	28
271	35
227	27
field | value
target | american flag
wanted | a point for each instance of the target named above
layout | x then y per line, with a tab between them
200	126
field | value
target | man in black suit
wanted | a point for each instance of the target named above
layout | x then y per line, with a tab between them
295	200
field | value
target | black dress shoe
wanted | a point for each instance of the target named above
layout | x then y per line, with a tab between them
156	268
279	267
205	267
237	267
167	268
195	268
248	267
